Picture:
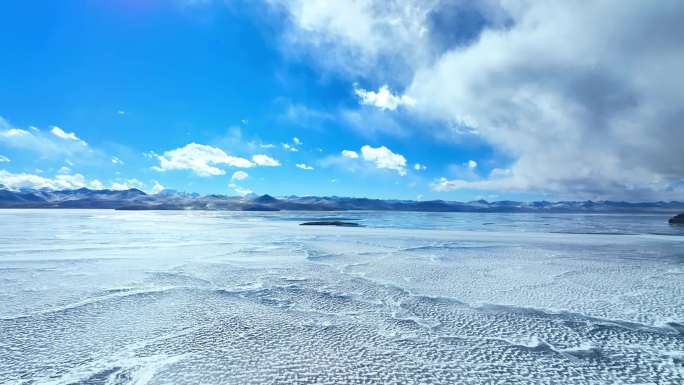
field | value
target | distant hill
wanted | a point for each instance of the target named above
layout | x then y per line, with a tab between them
134	199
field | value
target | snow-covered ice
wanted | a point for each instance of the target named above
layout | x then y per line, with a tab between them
107	297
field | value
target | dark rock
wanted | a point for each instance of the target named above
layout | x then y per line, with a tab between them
330	223
677	219
259	208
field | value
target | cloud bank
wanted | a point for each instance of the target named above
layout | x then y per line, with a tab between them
48	144
16	181
586	98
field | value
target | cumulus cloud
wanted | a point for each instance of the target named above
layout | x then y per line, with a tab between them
550	85
200	159
4	159
296	141
239	175
265	160
58	132
379	157
240	190
472	164
116	160
383	157
350	154
44	143
304	166
383	98
17	181
588	101
419	167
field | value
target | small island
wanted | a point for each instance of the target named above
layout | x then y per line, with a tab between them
677	219
330	223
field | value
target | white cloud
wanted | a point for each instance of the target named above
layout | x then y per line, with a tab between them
14	133
267	145
289	147
17	181
292	147
359	37
116	160
41	142
150	154
133	183
157	187
304	166
14	181
58	132
128	184
199	158
64	170
419	167
240	190
96	185
472	164
443	184
550	85
490	184
384	158
383	98
358	162
350	154
239	175
121	112
582	116
4	159
265	160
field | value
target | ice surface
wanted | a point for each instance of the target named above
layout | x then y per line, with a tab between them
105	297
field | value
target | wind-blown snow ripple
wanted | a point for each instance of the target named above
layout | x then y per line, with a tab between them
272	302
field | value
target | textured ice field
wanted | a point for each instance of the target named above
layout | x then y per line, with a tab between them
105	297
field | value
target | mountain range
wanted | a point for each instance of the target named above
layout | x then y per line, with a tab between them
134	199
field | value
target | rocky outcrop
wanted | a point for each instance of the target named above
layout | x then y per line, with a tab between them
677	219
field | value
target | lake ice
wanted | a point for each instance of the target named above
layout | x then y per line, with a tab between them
109	297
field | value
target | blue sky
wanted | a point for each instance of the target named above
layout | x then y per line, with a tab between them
184	94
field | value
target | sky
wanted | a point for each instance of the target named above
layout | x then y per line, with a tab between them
431	99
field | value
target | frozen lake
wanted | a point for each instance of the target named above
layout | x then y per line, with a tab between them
107	297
